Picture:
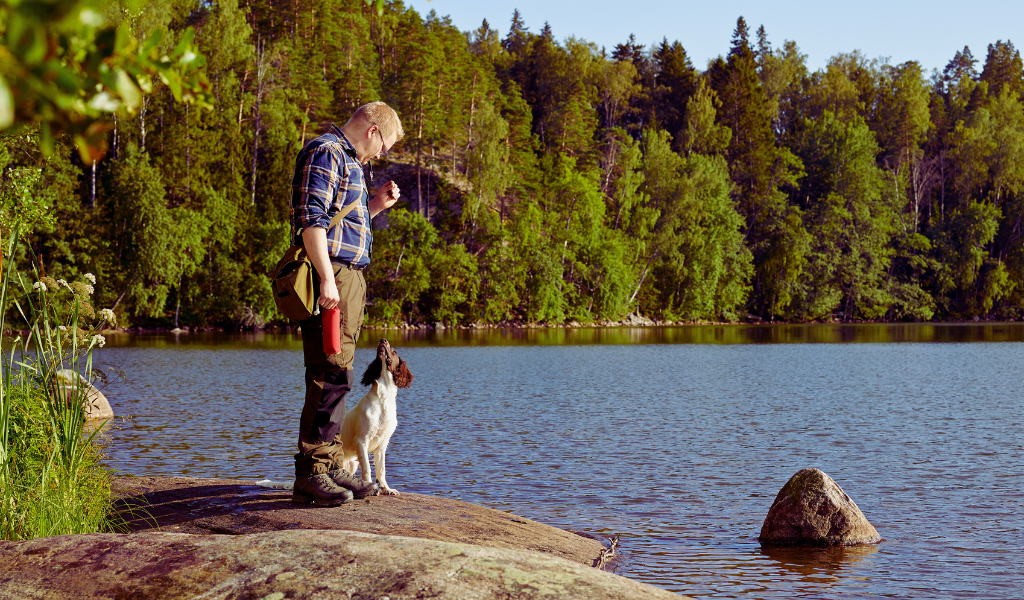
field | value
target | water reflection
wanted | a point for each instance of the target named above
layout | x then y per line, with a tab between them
814	564
870	333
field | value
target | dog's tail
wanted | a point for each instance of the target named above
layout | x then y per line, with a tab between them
275	485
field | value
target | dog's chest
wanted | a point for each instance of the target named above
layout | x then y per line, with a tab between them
384	418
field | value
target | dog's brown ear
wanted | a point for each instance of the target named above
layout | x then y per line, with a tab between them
403	377
372	372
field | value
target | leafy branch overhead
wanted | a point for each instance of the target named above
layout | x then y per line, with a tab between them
65	69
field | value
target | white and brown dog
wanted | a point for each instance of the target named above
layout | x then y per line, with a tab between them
368	425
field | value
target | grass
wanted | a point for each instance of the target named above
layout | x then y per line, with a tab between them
52	480
44	491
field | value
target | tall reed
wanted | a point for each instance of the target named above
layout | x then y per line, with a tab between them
52	480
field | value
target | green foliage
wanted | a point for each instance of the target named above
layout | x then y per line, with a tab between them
548	180
487	160
152	244
901	117
1004	69
51	478
701	134
543	291
453	285
675	82
591	258
18	185
694	251
969	281
63	68
416	275
68	499
853	218
400	272
761	168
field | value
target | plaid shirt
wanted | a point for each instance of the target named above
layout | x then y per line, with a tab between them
327	178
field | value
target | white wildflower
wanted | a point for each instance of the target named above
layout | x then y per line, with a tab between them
89	289
62	328
108	315
90	277
39	285
64	283
98	340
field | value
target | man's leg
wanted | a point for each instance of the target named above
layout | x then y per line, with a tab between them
320	422
329	379
352	289
322	412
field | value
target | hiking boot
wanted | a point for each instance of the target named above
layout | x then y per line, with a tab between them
320	490
360	489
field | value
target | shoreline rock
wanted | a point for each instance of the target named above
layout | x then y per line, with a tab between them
96	405
295	564
237	507
228	539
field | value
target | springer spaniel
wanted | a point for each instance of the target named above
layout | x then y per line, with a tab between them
368	426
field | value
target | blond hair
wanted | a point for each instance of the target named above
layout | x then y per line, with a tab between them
381	115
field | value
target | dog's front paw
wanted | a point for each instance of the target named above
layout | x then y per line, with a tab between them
389	491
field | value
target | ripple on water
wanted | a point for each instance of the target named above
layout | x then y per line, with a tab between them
678	448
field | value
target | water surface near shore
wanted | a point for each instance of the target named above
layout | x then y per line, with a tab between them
677	439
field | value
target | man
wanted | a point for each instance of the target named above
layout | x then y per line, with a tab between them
328	178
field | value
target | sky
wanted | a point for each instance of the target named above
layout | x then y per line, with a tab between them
902	30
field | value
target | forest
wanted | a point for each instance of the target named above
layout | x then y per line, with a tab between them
543	180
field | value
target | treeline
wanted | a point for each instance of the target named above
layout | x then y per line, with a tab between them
547	180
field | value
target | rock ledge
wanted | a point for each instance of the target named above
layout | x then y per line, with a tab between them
227	539
294	564
231	506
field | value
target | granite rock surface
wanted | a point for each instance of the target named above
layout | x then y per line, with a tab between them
230	506
295	564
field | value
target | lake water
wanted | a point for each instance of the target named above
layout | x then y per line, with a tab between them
676	439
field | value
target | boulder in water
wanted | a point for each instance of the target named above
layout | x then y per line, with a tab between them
812	510
96	404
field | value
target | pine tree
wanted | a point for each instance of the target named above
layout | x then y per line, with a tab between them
759	168
484	43
1004	67
676	82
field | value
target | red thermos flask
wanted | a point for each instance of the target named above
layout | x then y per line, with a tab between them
332	330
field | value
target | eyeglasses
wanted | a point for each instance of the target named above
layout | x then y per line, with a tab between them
383	152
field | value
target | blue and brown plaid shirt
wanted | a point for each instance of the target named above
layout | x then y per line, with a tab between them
327	178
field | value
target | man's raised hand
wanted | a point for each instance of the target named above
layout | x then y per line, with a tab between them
386	197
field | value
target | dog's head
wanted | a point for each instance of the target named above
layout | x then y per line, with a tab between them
386	355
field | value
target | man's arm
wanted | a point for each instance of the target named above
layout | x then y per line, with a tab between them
386	197
316	183
315	241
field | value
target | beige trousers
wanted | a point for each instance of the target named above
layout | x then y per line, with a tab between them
329	379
